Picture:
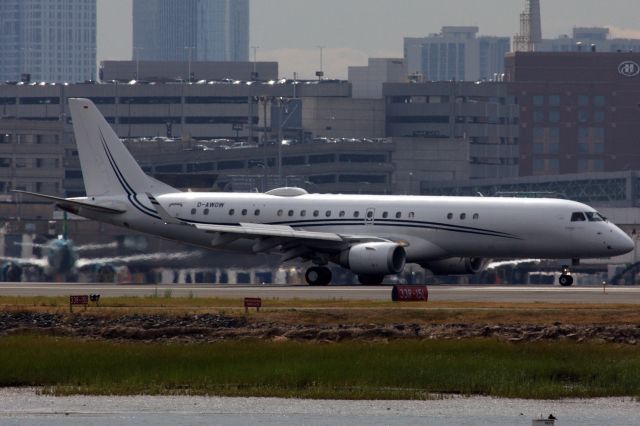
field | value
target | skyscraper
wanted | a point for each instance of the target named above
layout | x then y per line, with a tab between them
456	53
530	28
53	40
200	30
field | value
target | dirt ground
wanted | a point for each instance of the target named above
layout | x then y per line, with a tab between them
513	323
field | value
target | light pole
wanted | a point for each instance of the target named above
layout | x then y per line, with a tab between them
320	74
136	52
190	50
254	74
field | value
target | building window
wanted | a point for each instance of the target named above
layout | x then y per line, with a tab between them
583	116
538	100
538	116
598	116
554	116
598	100
583	100
554	100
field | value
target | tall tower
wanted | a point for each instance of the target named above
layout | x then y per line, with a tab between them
199	30
530	28
52	40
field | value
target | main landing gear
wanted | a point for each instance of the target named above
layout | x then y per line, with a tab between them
565	280
318	276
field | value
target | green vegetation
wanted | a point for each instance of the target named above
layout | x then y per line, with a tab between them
406	369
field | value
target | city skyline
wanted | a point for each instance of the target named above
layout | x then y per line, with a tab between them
359	29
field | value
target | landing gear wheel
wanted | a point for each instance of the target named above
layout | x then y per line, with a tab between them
370	279
565	280
318	276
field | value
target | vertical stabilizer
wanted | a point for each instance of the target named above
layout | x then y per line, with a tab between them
107	166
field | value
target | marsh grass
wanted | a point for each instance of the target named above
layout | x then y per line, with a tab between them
353	370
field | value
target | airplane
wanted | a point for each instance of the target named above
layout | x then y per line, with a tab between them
373	236
63	261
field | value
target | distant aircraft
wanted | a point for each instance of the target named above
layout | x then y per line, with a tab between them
373	236
62	261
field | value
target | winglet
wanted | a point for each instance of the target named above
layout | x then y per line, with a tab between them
164	214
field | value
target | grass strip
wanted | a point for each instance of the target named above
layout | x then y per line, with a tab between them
351	370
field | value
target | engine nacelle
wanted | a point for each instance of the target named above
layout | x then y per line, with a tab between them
374	259
457	266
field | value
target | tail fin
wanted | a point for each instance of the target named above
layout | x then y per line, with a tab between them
107	166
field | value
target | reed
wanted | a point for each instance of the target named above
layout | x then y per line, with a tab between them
350	370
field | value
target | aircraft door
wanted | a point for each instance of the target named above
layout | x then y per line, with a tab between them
369	217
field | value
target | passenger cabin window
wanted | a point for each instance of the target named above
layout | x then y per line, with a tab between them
316	213
369	214
291	212
328	213
385	215
206	212
476	216
412	215
398	215
193	211
463	216
356	214
578	217
280	212
303	213
244	212
257	213
342	213
450	216
232	212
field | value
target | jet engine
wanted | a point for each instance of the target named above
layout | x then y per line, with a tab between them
457	266
374	259
10	272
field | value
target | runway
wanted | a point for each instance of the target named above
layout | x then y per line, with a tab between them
501	294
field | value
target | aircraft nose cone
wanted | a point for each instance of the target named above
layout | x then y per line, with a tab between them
622	243
627	243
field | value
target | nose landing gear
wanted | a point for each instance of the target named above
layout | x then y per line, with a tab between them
565	280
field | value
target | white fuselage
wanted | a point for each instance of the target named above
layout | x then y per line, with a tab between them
429	228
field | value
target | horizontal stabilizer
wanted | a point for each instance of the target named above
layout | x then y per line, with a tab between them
72	206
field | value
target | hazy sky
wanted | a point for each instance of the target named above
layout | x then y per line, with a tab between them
289	31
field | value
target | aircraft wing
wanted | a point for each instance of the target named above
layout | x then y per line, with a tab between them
73	206
255	230
39	262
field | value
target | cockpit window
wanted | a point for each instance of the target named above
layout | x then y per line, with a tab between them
578	217
595	217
